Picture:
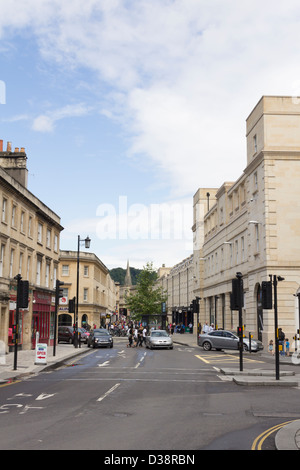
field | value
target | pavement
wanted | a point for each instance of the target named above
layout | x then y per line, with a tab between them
287	438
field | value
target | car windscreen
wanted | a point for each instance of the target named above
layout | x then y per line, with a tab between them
101	333
159	333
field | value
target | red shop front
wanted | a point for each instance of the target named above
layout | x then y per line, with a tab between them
42	318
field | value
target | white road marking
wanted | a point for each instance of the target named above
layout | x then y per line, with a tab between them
108	392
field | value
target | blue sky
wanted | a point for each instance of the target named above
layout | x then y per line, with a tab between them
126	108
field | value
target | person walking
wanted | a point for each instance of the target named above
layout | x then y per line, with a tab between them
130	338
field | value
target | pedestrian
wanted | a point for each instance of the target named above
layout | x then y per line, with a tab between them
211	328
271	347
144	335
140	337
205	328
130	336
287	347
135	337
281	337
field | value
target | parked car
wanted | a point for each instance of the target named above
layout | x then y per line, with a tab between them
100	337
159	339
65	334
223	339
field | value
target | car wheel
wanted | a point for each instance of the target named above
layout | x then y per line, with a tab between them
70	340
245	347
88	345
206	346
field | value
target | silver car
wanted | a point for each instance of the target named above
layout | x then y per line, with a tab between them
159	339
222	339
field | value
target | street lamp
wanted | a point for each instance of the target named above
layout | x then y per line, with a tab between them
87	243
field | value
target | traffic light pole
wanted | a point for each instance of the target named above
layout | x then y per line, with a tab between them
241	303
276	328
18	278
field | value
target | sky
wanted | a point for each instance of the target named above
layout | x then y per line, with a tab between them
126	107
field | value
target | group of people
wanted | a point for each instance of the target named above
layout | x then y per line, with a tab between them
284	344
136	335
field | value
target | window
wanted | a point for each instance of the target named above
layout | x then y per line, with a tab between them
1	259
13	216
257	238
40	233
86	271
85	294
255	180
47	280
65	270
11	262
55	242
48	238
236	251
38	271
4	210
28	267
29	226
243	248
20	263
22	222
255	143
54	276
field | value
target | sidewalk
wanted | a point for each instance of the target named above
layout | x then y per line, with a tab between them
288	438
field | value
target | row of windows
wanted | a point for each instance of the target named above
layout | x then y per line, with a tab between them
85	293
23	221
236	201
19	264
235	255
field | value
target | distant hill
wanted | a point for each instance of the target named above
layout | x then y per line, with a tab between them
118	275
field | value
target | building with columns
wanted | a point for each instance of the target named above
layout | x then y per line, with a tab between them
253	226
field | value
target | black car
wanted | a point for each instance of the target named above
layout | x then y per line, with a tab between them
65	334
100	337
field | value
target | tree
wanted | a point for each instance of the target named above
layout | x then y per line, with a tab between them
148	297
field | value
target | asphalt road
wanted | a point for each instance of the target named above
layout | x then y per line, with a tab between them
133	399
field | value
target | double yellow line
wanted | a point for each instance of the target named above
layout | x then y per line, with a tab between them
258	442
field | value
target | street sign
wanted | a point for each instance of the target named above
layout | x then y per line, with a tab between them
41	353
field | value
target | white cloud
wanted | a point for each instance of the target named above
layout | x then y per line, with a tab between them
46	122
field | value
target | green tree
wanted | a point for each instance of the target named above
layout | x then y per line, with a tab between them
148	296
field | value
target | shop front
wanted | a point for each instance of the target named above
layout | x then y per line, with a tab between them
43	317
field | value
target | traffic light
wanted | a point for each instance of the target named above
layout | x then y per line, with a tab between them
266	294
59	292
23	294
72	305
237	294
240	331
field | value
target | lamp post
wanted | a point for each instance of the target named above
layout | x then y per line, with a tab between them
87	242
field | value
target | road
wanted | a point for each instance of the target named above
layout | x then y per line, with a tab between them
131	399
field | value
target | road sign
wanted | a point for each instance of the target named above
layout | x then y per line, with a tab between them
41	353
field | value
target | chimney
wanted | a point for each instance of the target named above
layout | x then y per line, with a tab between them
14	163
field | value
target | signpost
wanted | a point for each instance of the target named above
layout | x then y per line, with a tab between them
41	353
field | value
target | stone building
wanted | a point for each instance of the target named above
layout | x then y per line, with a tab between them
253	226
98	293
29	246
